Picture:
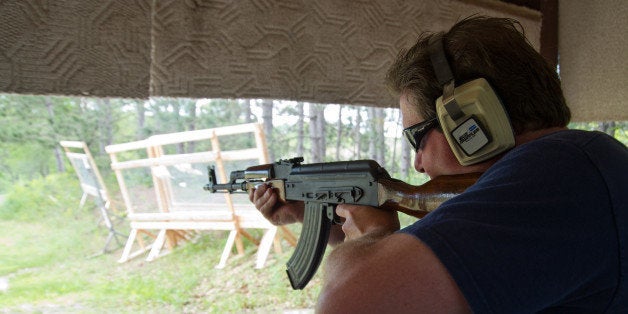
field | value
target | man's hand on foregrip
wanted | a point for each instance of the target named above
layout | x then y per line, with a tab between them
277	212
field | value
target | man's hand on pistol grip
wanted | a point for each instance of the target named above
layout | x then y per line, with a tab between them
366	220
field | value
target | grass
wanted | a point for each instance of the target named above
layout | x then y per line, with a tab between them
46	256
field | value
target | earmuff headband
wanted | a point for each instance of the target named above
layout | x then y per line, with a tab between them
436	50
444	75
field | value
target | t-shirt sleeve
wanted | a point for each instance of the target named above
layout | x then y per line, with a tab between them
527	233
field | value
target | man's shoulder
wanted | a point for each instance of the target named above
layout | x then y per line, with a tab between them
564	158
571	143
577	138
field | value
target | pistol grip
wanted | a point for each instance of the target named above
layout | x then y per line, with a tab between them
311	245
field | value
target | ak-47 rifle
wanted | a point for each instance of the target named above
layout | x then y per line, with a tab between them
322	186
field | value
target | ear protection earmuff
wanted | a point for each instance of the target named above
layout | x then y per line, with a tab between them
471	116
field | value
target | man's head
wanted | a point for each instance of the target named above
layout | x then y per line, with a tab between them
490	48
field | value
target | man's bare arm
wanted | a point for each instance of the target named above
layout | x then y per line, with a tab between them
388	274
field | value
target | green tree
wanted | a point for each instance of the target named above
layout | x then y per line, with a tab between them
317	132
37	122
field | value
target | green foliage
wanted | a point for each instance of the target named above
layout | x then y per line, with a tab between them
26	161
221	112
616	129
32	126
54	195
49	269
37	119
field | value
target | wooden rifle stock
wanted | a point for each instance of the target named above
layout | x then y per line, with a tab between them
419	200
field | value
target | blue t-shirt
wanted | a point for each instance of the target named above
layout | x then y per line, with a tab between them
545	229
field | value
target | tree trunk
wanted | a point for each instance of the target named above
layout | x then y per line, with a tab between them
300	129
380	136
267	117
179	126
140	132
317	132
105	125
370	133
339	134
57	149
321	131
248	113
406	157
376	135
357	136
393	159
191	109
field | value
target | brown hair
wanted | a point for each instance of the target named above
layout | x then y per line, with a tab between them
495	49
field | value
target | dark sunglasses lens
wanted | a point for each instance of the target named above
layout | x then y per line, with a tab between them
410	137
415	133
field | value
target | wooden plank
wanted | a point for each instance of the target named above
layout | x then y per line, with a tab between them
197	135
243	154
185	216
124	147
157	245
264	247
72	144
191	158
183	225
227	250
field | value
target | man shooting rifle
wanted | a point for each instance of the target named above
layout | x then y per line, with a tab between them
544	229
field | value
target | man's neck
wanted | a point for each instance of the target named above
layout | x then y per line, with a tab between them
533	135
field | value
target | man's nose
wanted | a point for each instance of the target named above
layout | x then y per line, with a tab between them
417	161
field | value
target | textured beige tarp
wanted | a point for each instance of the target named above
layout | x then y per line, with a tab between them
75	47
593	47
325	51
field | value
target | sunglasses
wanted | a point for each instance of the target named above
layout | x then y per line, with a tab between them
417	132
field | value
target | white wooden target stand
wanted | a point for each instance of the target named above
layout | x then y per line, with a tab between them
93	185
162	182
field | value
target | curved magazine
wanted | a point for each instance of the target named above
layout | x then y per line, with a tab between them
311	245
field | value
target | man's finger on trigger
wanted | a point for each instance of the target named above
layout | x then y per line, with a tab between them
341	211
